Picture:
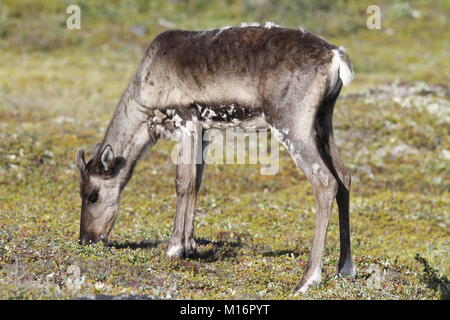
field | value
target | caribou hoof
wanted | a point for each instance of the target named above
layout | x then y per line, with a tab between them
176	250
347	270
182	251
190	248
308	282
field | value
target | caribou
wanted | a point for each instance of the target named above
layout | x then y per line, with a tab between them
289	79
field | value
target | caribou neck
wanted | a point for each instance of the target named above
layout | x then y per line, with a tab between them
129	132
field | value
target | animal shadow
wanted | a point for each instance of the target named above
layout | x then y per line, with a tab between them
145	244
213	250
279	253
208	250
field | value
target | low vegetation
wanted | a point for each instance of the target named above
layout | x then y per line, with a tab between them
59	87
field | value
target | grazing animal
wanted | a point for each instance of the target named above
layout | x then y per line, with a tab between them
187	82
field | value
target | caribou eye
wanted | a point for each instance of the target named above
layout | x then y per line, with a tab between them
92	197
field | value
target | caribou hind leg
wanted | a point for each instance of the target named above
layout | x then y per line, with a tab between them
329	151
307	157
189	173
296	132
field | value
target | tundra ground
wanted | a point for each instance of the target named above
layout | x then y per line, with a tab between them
58	90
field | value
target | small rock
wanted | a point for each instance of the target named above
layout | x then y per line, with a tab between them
166	23
376	277
139	30
393	276
402	150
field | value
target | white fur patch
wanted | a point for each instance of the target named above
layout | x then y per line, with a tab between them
270	25
315	168
340	68
286	142
249	24
175	251
170	125
221	30
316	278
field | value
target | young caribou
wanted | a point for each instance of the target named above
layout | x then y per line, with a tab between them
290	79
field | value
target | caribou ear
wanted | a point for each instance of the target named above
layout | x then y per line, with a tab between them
107	158
95	149
81	164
